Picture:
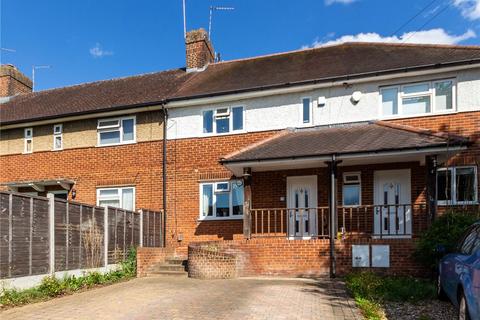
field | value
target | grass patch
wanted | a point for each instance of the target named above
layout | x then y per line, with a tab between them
53	287
370	291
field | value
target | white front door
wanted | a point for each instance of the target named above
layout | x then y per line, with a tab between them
392	197
302	204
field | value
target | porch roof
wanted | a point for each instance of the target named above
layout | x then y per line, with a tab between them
344	141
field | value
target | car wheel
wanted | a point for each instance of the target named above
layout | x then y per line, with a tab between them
440	292
463	309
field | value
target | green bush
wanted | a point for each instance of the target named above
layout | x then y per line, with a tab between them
446	230
52	286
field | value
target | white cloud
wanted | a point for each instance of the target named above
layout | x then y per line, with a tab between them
433	36
470	8
329	2
98	52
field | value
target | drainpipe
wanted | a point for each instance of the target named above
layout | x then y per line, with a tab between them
164	174
333	210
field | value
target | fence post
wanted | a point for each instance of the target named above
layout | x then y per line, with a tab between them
51	229
105	237
10	234
141	227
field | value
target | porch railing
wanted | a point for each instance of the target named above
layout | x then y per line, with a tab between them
396	220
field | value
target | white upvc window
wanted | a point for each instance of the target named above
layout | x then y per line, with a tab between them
223	120
28	140
119	197
457	185
116	131
352	189
418	98
57	137
221	200
306	111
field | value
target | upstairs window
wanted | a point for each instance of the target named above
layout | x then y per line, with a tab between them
116	131
28	140
123	198
306	111
457	185
57	137
352	189
223	120
418	98
221	200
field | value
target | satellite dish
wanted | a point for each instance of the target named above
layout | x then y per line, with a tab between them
356	96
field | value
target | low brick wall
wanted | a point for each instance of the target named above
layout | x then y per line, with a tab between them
206	261
294	258
147	257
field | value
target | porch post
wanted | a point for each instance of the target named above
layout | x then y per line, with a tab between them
431	179
333	216
247	202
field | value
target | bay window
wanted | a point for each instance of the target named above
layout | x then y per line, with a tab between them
123	197
116	131
223	120
457	185
221	200
418	98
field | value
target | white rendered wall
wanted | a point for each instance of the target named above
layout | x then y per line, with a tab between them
283	111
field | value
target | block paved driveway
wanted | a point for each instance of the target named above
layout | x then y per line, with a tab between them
184	298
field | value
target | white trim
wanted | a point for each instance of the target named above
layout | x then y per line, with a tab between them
228	115
358	183
56	135
119	196
453	186
240	96
118	128
201	217
26	138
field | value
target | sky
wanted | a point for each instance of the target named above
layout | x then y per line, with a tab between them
89	40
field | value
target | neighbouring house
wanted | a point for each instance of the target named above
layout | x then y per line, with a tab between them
259	162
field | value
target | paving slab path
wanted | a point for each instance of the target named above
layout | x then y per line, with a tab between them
184	298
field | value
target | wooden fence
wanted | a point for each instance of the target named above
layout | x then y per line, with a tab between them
43	235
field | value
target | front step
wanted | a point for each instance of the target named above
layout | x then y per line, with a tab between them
173	266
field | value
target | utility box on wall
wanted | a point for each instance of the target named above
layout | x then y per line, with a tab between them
360	256
380	256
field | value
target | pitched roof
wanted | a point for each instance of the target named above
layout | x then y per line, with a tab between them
341	140
330	63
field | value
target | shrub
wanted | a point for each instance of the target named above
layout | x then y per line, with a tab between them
51	286
446	230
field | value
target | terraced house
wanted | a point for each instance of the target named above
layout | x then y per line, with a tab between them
267	158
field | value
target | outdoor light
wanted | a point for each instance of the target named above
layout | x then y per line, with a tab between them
74	193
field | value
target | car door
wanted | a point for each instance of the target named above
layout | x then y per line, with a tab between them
471	276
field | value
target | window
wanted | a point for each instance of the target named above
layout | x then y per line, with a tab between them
223	120
116	131
57	137
222	200
418	98
117	197
60	194
28	146
457	185
306	110
352	189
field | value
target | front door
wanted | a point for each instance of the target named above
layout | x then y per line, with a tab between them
392	198
302	204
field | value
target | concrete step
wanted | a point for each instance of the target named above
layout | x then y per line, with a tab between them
177	261
168	273
168	267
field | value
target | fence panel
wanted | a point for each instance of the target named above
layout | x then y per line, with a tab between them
40	247
152	228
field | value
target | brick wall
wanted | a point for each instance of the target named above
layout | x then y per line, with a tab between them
301	258
199	50
13	82
207	262
148	257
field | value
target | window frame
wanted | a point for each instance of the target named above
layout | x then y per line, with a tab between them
430	93
453	186
310	120
345	183
230	120
214	200
56	135
120	196
27	138
118	128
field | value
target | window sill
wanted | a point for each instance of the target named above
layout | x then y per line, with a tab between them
220	219
115	144
457	204
406	116
208	135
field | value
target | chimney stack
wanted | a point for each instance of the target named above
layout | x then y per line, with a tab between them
13	82
199	50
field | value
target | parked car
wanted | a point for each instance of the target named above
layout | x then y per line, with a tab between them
459	275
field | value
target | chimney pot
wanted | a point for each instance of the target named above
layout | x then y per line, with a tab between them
199	49
13	82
